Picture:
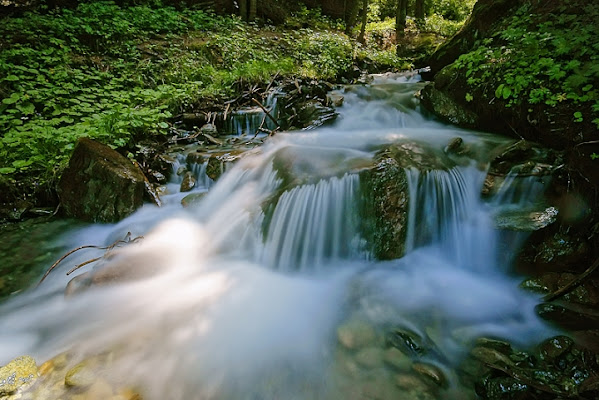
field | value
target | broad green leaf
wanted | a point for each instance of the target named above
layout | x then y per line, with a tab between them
499	91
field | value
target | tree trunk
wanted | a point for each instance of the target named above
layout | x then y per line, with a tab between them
253	10
351	14
362	38
243	9
419	13
400	19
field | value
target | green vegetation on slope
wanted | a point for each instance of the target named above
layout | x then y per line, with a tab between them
120	73
540	60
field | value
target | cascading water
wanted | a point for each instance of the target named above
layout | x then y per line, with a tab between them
252	291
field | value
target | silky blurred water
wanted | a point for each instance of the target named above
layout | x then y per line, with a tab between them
248	288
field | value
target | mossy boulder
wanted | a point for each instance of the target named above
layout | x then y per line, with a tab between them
386	196
18	372
100	185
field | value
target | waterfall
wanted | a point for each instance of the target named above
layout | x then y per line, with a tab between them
313	224
446	210
248	293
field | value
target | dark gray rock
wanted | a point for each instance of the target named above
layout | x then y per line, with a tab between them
100	184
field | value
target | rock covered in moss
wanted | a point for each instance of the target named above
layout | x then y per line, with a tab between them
18	372
100	184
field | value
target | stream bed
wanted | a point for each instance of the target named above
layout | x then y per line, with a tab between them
267	286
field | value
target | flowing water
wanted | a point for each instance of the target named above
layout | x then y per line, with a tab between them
266	289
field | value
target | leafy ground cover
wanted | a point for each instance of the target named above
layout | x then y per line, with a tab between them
119	73
541	61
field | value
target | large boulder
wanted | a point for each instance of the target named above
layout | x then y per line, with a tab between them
100	184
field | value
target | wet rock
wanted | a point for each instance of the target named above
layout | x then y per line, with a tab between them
192	199
561	248
491	356
18	372
212	140
413	344
100	184
504	387
335	99
554	348
313	114
526	220
99	390
446	107
498	345
16	211
356	334
556	369
158	177
209	129
414	387
567	318
455	145
376	384
80	376
193	119
385	208
188	183
432	372
181	170
219	162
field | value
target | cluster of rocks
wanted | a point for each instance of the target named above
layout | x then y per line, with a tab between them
22	379
378	364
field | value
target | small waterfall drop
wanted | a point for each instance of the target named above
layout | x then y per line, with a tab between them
313	224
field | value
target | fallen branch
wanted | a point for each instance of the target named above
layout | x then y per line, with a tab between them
83	264
267	112
226	111
271	82
261	127
573	284
126	240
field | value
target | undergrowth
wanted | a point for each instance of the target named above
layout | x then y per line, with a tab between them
120	73
550	60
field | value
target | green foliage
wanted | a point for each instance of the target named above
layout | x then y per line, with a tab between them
117	73
314	19
323	54
451	10
536	59
435	23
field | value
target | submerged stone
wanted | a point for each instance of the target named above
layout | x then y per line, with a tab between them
81	375
99	184
432	372
356	334
192	199
370	357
